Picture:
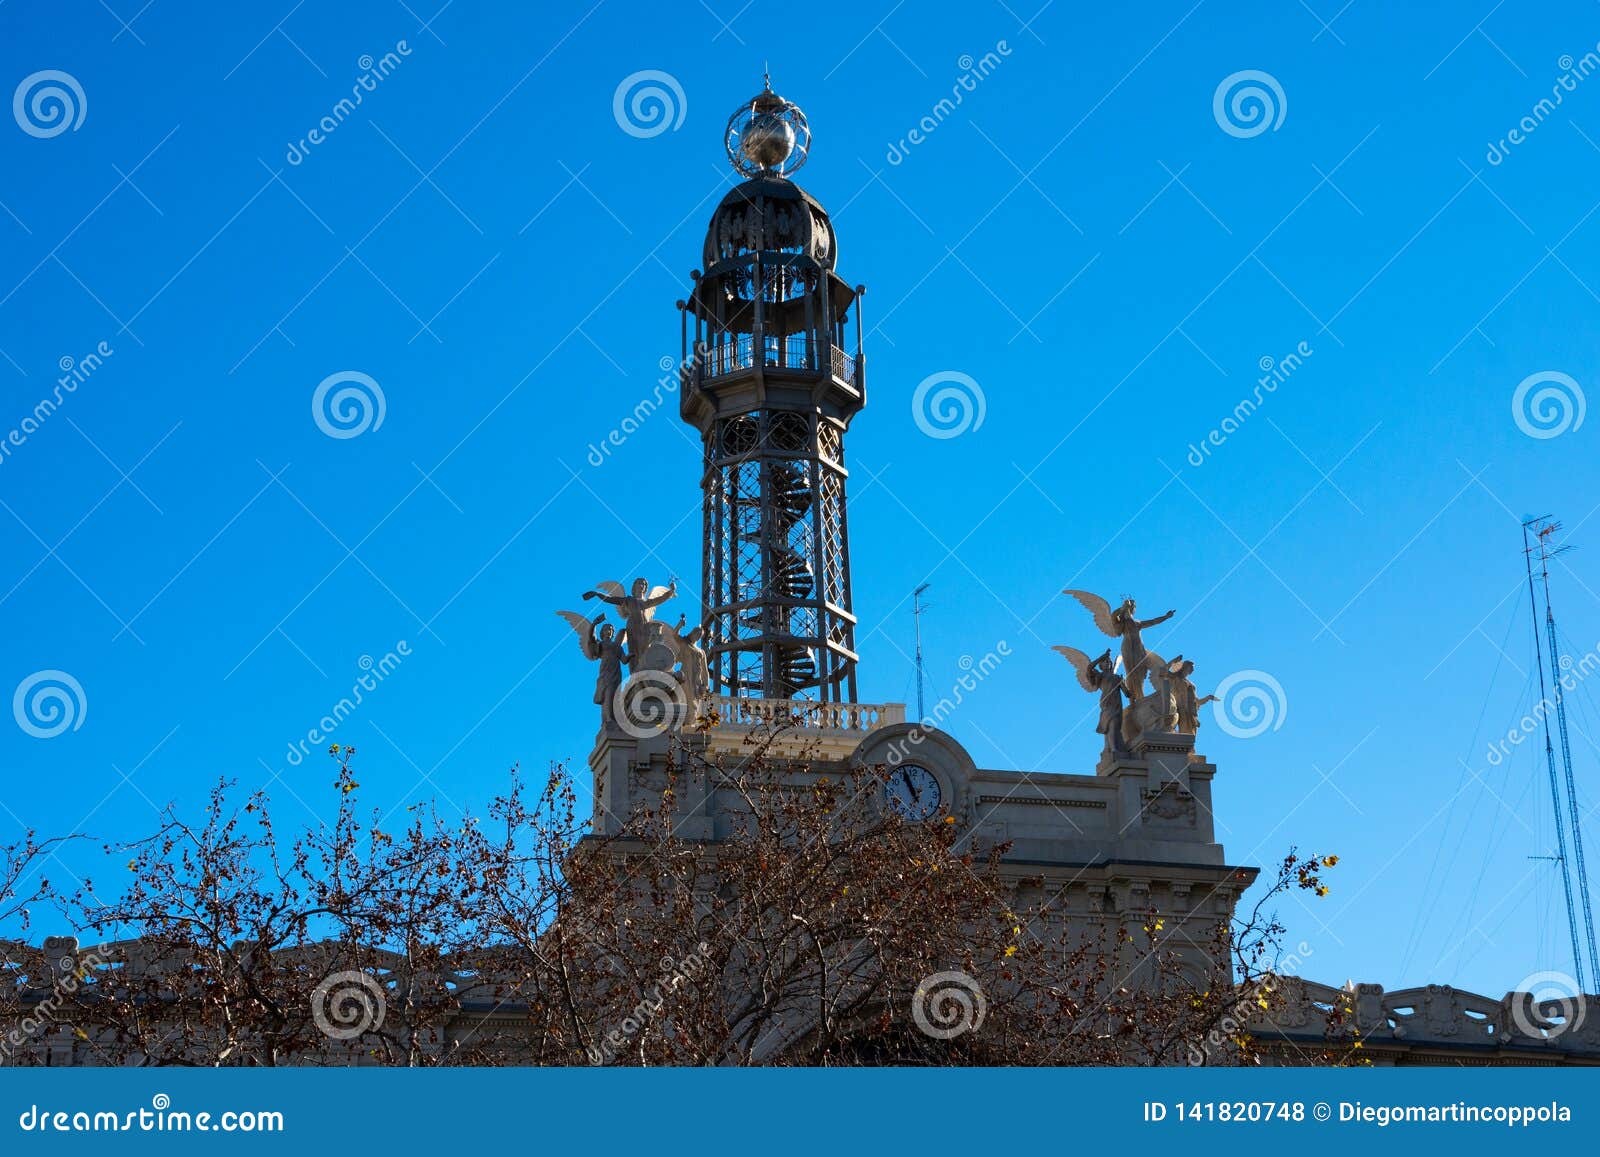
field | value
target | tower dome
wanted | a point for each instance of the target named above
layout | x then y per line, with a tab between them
773	214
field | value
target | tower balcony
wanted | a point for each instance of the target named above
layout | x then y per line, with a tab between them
788	371
832	729
800	352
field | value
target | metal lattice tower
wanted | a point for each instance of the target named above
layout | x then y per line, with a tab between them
1542	531
770	386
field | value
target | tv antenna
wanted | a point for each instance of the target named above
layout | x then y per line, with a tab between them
1537	545
917	609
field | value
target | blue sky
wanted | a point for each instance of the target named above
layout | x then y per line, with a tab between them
1081	236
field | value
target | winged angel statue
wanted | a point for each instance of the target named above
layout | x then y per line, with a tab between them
642	645
1182	702
1123	624
609	646
1100	675
638	611
1172	705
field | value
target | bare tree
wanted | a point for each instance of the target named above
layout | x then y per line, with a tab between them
826	929
819	928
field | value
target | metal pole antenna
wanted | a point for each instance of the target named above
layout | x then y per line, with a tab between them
1558	689
917	607
1528	549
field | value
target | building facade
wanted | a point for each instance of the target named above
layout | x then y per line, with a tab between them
774	373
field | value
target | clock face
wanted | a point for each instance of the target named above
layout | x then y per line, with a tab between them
913	791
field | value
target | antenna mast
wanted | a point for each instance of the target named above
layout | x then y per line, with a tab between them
1543	530
917	608
1537	545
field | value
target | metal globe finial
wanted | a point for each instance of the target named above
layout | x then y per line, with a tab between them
767	136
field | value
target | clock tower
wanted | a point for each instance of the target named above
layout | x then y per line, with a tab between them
772	377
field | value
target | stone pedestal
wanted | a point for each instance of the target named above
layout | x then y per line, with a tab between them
1163	792
631	773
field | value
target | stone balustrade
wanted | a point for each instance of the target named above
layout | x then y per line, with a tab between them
806	715
1432	1018
1435	1023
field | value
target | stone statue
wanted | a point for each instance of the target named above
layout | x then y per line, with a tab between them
695	671
1162	709
609	646
1122	624
638	613
1100	675
642	645
1186	702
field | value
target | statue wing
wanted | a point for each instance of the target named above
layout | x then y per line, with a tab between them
585	632
1098	607
610	588
656	592
1154	662
1080	664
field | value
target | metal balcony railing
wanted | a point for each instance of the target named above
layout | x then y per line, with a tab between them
796	351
